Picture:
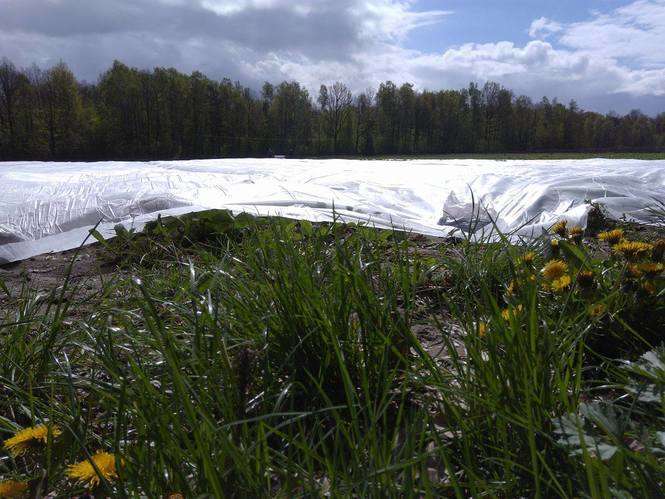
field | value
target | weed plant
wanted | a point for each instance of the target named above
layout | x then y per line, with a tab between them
263	357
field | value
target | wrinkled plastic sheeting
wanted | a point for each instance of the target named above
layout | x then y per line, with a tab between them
52	206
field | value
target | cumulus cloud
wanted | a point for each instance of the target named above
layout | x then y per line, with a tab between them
544	27
223	37
633	34
610	54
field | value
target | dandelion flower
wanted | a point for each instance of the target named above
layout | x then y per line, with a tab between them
555	269
554	244
528	258
84	472
585	278
561	284
597	309
651	269
512	312
576	232
513	287
611	236
559	228
632	250
12	488
29	438
482	329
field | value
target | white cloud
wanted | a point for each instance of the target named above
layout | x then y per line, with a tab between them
634	34
361	42
229	7
544	27
389	19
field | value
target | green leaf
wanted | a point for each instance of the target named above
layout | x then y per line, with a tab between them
98	236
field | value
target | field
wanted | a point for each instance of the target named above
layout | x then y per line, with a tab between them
252	357
647	156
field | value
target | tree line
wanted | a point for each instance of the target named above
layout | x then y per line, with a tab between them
163	114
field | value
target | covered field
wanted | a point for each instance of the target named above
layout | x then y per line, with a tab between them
51	206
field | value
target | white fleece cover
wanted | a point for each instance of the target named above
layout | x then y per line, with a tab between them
48	206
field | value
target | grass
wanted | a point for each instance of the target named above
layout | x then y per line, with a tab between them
263	357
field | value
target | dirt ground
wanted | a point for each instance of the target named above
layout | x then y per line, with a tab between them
45	273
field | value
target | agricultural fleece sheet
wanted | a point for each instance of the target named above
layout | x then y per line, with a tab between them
52	206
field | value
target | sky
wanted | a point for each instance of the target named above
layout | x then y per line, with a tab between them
608	55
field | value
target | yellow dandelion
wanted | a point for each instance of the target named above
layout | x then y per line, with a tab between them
560	228
554	244
12	488
611	236
482	329
29	438
528	258
597	309
658	250
632	250
576	232
561	284
555	269
512	312
84	472
585	278
513	287
651	269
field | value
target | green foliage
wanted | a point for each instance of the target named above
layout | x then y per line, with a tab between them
621	439
266	357
138	114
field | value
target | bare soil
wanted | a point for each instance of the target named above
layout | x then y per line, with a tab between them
43	274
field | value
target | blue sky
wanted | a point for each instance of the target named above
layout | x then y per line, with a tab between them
486	21
606	54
